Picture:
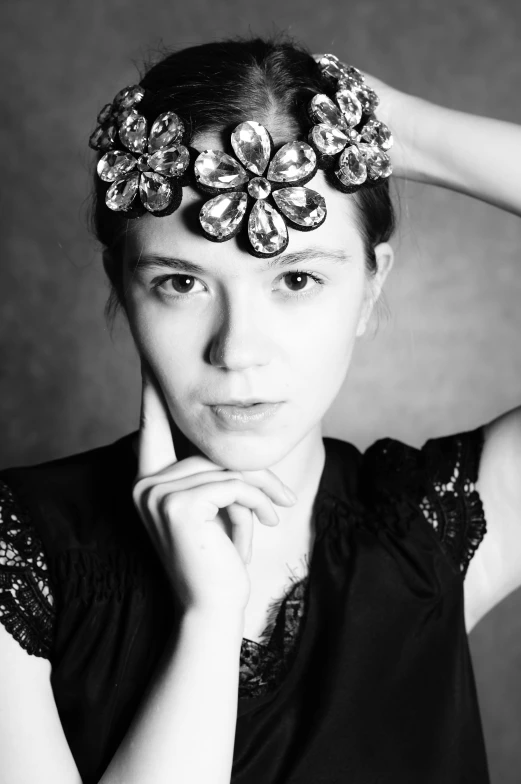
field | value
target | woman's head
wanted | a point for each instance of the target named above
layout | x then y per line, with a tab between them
215	323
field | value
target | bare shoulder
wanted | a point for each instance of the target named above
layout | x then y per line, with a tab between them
495	569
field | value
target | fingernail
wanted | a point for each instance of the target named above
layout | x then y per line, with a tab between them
290	494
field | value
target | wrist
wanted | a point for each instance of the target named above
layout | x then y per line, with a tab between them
421	149
209	621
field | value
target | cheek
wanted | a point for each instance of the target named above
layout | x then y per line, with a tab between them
325	341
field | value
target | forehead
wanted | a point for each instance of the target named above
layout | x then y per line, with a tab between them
180	234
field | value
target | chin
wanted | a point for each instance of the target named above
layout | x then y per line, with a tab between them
249	450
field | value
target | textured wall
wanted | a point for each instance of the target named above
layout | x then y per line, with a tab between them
446	358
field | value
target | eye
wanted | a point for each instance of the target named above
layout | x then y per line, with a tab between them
173	285
298	282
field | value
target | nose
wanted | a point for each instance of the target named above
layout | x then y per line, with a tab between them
241	338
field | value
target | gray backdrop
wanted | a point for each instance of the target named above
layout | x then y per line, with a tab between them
446	354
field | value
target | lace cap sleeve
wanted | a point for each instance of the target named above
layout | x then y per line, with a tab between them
452	504
27	607
439	479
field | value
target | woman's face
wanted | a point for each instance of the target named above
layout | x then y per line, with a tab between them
235	326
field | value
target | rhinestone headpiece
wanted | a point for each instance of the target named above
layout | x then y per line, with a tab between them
345	138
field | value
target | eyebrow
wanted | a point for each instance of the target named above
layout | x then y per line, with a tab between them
146	261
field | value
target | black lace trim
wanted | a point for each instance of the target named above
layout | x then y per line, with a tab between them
439	479
453	506
264	664
27	608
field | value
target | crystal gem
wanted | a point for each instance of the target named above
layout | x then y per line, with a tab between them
95	138
332	67
121	193
133	132
172	162
129	96
252	146
108	138
143	163
259	188
293	162
115	164
216	169
354	74
376	132
303	206
166	131
266	229
352	169
155	191
105	113
323	110
367	97
350	106
122	114
221	216
326	139
378	162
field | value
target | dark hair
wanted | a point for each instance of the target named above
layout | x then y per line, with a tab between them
215	86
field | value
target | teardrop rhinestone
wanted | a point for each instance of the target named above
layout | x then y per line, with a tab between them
221	216
377	161
115	164
376	132
121	193
167	130
129	96
292	163
252	146
323	110
266	229
155	191
121	115
350	106
172	162
95	138
367	97
330	66
133	132
352	169
216	169
302	206
108	138
326	139
259	188
105	113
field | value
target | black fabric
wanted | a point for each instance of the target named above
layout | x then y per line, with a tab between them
380	688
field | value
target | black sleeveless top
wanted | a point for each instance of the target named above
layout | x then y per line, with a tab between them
364	673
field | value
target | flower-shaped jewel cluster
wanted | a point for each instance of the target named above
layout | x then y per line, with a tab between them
346	133
151	164
275	185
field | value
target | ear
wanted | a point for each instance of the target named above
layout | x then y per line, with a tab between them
384	255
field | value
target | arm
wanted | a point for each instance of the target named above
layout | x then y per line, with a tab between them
184	730
477	156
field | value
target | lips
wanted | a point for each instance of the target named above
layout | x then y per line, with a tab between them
243	403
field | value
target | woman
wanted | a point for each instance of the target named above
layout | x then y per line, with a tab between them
140	577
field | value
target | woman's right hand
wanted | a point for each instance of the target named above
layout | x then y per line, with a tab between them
179	502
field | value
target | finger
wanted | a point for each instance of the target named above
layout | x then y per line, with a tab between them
156	446
218	495
241	519
182	478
